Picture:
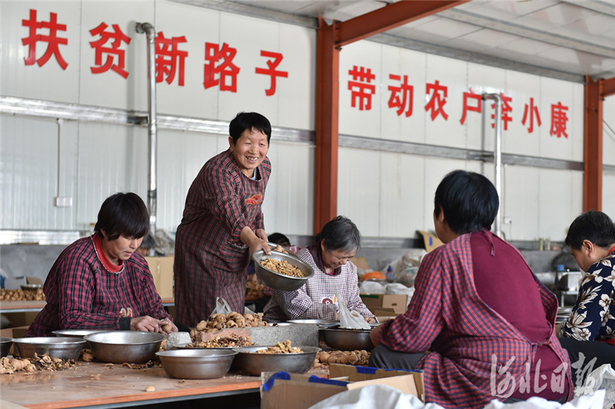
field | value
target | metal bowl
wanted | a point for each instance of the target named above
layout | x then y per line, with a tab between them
347	339
196	363
279	281
59	347
76	333
31	287
125	346
252	363
5	345
320	323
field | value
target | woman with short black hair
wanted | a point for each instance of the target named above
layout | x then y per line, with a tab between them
100	282
479	317
334	274
589	332
223	223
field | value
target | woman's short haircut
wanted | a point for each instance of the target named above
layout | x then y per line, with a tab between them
249	120
469	200
279	238
340	234
594	226
149	242
123	214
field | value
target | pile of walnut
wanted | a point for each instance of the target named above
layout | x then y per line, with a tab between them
21	295
280	348
38	363
358	357
255	290
232	320
87	355
223	342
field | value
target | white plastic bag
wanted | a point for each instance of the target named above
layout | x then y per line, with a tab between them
371	287
374	396
602	377
350	319
222	307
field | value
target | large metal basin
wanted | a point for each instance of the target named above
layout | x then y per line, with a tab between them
58	347
252	363
197	363
125	346
347	339
279	281
320	323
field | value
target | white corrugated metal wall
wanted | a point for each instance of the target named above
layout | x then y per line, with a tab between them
387	194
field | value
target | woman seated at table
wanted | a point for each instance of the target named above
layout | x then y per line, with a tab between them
100	282
590	329
334	273
478	309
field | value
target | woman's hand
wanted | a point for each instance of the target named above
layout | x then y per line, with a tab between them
150	324
371	320
262	234
255	240
374	335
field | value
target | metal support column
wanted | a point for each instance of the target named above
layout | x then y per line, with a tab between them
592	177
330	40
327	126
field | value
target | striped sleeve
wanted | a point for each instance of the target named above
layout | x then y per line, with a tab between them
222	194
415	330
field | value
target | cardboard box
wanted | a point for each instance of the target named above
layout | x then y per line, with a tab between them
396	302
162	271
360	262
15	332
281	390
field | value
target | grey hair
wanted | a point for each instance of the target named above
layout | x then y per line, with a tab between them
340	234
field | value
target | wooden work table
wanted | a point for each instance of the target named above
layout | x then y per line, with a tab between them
113	385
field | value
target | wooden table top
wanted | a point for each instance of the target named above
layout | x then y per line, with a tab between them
95	383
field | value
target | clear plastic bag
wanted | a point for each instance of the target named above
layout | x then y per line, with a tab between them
222	307
350	319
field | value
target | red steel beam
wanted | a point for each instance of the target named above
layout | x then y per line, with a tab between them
387	18
592	177
327	126
608	87
330	40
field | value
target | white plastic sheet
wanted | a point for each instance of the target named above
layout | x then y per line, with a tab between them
387	397
601	378
350	319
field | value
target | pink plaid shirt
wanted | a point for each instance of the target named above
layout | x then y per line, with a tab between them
447	317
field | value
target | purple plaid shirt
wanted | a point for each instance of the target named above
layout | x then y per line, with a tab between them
81	293
210	259
447	317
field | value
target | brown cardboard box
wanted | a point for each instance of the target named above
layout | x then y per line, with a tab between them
15	332
162	271
281	390
396	302
360	262
21	318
